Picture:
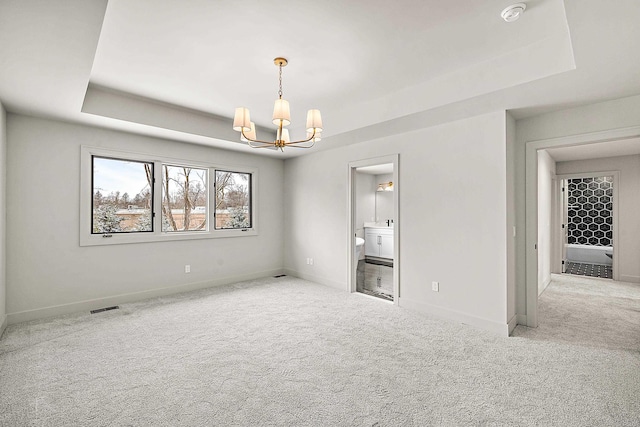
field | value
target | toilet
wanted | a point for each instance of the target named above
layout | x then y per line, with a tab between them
359	246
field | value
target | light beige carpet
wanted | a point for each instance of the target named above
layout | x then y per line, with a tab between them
287	352
588	312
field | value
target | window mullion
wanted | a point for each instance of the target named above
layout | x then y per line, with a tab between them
211	208
157	198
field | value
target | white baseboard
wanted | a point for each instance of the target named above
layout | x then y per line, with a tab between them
87	305
521	319
544	285
498	328
316	279
629	279
512	323
3	325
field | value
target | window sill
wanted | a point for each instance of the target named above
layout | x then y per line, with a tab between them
126	238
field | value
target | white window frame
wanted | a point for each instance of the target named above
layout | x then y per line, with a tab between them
87	238
251	199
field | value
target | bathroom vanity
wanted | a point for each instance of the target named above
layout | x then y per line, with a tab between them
378	242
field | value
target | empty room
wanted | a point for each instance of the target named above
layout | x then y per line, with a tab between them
310	213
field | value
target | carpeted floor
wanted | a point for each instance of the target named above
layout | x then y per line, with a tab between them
588	312
286	352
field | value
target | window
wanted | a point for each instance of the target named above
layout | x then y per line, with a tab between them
184	199
132	198
122	193
233	200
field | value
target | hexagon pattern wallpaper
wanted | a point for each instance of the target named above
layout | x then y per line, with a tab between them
590	208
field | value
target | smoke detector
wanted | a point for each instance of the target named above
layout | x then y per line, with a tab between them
513	12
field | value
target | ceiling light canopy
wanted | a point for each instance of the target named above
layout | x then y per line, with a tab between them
513	12
281	118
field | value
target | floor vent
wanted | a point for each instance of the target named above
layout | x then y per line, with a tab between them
100	310
280	275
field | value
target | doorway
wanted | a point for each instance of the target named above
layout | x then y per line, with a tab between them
373	228
603	143
588	210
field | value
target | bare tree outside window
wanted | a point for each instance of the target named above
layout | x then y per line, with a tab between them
233	200
113	208
132	197
184	199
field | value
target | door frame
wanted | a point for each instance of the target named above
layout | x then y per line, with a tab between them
351	227
531	203
561	227
614	211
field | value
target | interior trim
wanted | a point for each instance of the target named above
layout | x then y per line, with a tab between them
88	305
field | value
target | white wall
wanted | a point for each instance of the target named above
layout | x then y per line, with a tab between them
49	273
3	167
546	175
451	230
615	114
628	248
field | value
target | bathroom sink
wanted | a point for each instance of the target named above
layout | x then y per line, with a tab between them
377	225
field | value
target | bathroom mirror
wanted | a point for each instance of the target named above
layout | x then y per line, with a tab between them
384	199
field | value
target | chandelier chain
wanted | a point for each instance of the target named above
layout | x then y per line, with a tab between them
280	79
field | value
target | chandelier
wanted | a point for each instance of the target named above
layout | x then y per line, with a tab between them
281	118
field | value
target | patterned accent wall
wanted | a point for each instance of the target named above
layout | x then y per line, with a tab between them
590	206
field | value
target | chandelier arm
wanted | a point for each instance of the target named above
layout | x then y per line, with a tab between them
266	145
297	142
294	144
313	135
253	140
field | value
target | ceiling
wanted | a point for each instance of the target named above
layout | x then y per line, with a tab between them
382	169
175	69
626	147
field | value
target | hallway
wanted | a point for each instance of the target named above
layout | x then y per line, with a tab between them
588	312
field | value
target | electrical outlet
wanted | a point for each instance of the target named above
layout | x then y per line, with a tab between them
308	261
311	261
435	286
187	268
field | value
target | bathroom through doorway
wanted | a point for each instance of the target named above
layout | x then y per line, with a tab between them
588	212
373	234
